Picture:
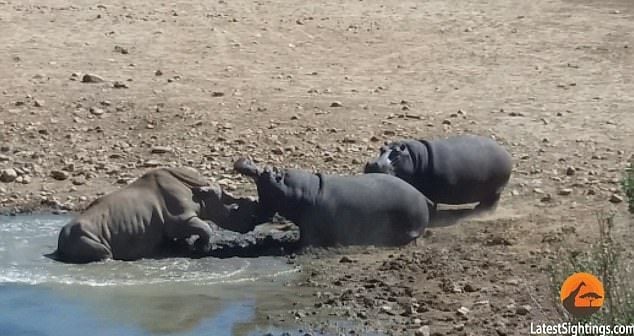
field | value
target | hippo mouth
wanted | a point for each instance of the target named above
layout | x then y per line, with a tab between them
383	168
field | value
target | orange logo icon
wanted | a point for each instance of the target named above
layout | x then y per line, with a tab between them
582	294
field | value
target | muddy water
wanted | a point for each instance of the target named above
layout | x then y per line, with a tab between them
178	296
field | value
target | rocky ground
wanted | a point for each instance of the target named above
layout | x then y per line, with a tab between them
94	94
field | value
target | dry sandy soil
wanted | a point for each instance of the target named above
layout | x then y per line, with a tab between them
321	86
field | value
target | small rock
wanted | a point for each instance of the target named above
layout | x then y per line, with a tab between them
4	158
278	151
59	175
26	179
96	111
470	288
79	181
158	73
122	180
38	103
121	50
120	85
91	78
217	94
446	122
336	104
523	310
463	311
151	163
386	310
160	150
423	331
345	259
565	192
570	171
616	199
8	175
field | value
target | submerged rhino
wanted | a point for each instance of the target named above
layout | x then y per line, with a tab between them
137	221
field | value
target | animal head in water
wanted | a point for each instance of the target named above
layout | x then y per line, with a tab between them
222	208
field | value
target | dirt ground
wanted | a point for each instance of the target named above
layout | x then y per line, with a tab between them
320	86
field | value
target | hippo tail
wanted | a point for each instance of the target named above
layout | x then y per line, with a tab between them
188	176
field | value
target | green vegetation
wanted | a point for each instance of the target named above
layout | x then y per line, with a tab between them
603	260
628	186
608	260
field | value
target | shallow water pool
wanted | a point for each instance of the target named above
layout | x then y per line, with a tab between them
177	296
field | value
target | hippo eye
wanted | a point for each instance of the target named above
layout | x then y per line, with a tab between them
402	148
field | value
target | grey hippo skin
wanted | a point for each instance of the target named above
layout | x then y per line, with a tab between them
369	209
456	170
136	221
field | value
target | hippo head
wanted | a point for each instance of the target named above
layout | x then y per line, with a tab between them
228	212
279	190
286	190
395	159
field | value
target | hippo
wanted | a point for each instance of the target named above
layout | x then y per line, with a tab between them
137	221
456	170
330	210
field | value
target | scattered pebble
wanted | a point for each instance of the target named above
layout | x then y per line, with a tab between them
423	331
8	175
463	311
565	191
615	198
160	150
120	85
92	78
60	175
523	310
570	171
121	50
96	111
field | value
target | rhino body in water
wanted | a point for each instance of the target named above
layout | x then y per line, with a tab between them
139	220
